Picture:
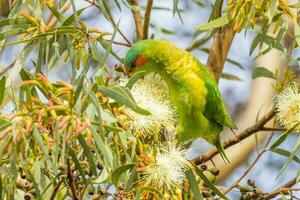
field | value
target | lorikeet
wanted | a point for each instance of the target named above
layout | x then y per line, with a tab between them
193	92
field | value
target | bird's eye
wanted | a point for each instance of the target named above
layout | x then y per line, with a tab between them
140	60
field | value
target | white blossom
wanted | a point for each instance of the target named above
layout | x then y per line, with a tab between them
151	93
168	170
288	107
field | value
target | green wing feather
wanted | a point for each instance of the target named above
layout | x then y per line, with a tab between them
215	109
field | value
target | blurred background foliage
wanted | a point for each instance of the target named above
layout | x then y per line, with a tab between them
63	129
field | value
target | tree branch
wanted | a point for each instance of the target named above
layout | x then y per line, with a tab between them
236	183
137	20
235	139
112	21
54	193
147	18
222	40
71	181
221	44
286	187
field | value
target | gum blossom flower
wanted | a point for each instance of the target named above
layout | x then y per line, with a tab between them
288	107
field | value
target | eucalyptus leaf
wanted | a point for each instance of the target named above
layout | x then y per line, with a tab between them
2	89
117	173
286	154
123	96
216	23
193	184
262	72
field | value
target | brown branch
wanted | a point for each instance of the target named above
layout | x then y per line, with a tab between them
137	20
221	44
222	40
147	18
272	129
54	193
285	187
236	183
235	139
71	180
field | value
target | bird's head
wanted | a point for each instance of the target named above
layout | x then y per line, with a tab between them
142	56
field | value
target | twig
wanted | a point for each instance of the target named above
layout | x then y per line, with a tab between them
285	187
82	192
119	43
236	139
71	180
54	193
236	183
8	67
221	44
147	18
137	20
272	129
112	21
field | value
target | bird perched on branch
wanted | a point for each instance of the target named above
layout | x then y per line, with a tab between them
193	91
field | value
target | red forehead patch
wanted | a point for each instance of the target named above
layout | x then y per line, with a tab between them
140	60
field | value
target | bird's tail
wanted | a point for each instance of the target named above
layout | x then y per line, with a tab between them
221	150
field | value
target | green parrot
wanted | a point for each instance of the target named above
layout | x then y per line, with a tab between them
193	91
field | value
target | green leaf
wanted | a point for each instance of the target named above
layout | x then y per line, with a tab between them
295	5
88	154
35	184
40	141
152	190
219	22
255	43
292	154
2	89
108	48
11	33
235	63
4	124
95	102
262	72
55	12
69	20
123	96
116	174
193	184
104	7
297	33
14	71
75	12
104	149
286	154
283	136
208	182
132	178
135	78
77	164
18	21
231	77
298	176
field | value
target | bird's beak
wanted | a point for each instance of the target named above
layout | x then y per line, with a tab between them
127	71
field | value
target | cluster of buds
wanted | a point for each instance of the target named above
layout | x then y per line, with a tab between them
38	27
211	173
250	191
78	41
254	11
47	117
